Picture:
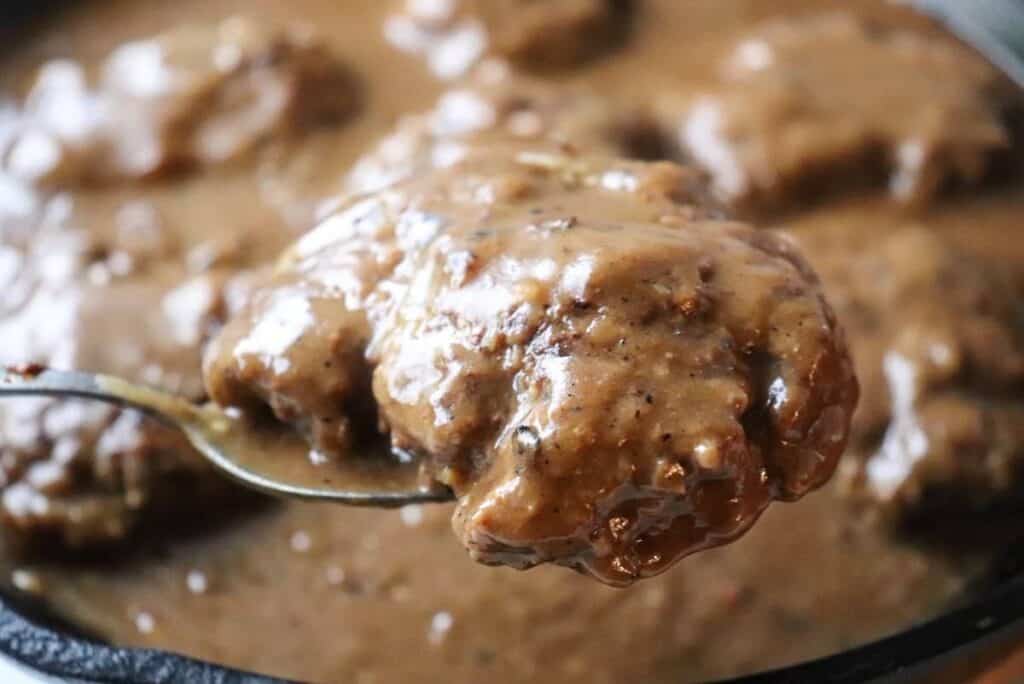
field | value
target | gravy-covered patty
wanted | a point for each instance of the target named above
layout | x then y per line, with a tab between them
941	426
493	104
607	377
106	273
824	101
537	34
82	293
196	95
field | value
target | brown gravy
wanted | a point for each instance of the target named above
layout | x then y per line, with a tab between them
329	594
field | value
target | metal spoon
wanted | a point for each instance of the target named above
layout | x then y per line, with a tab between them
275	461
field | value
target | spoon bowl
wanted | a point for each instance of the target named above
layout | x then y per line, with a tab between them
270	459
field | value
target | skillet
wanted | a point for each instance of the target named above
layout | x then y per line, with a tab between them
988	621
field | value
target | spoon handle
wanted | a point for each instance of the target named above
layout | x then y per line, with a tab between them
240	454
59	383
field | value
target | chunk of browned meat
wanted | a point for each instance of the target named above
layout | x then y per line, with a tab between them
816	103
132	281
608	377
80	474
124	280
83	473
453	35
196	95
496	103
938	340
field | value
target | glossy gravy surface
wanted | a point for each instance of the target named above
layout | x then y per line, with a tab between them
330	594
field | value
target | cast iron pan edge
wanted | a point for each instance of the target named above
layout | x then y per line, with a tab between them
927	648
59	654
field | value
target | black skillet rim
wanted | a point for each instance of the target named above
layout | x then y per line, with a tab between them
963	634
58	651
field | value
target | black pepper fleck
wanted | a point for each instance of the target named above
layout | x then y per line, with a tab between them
527	441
